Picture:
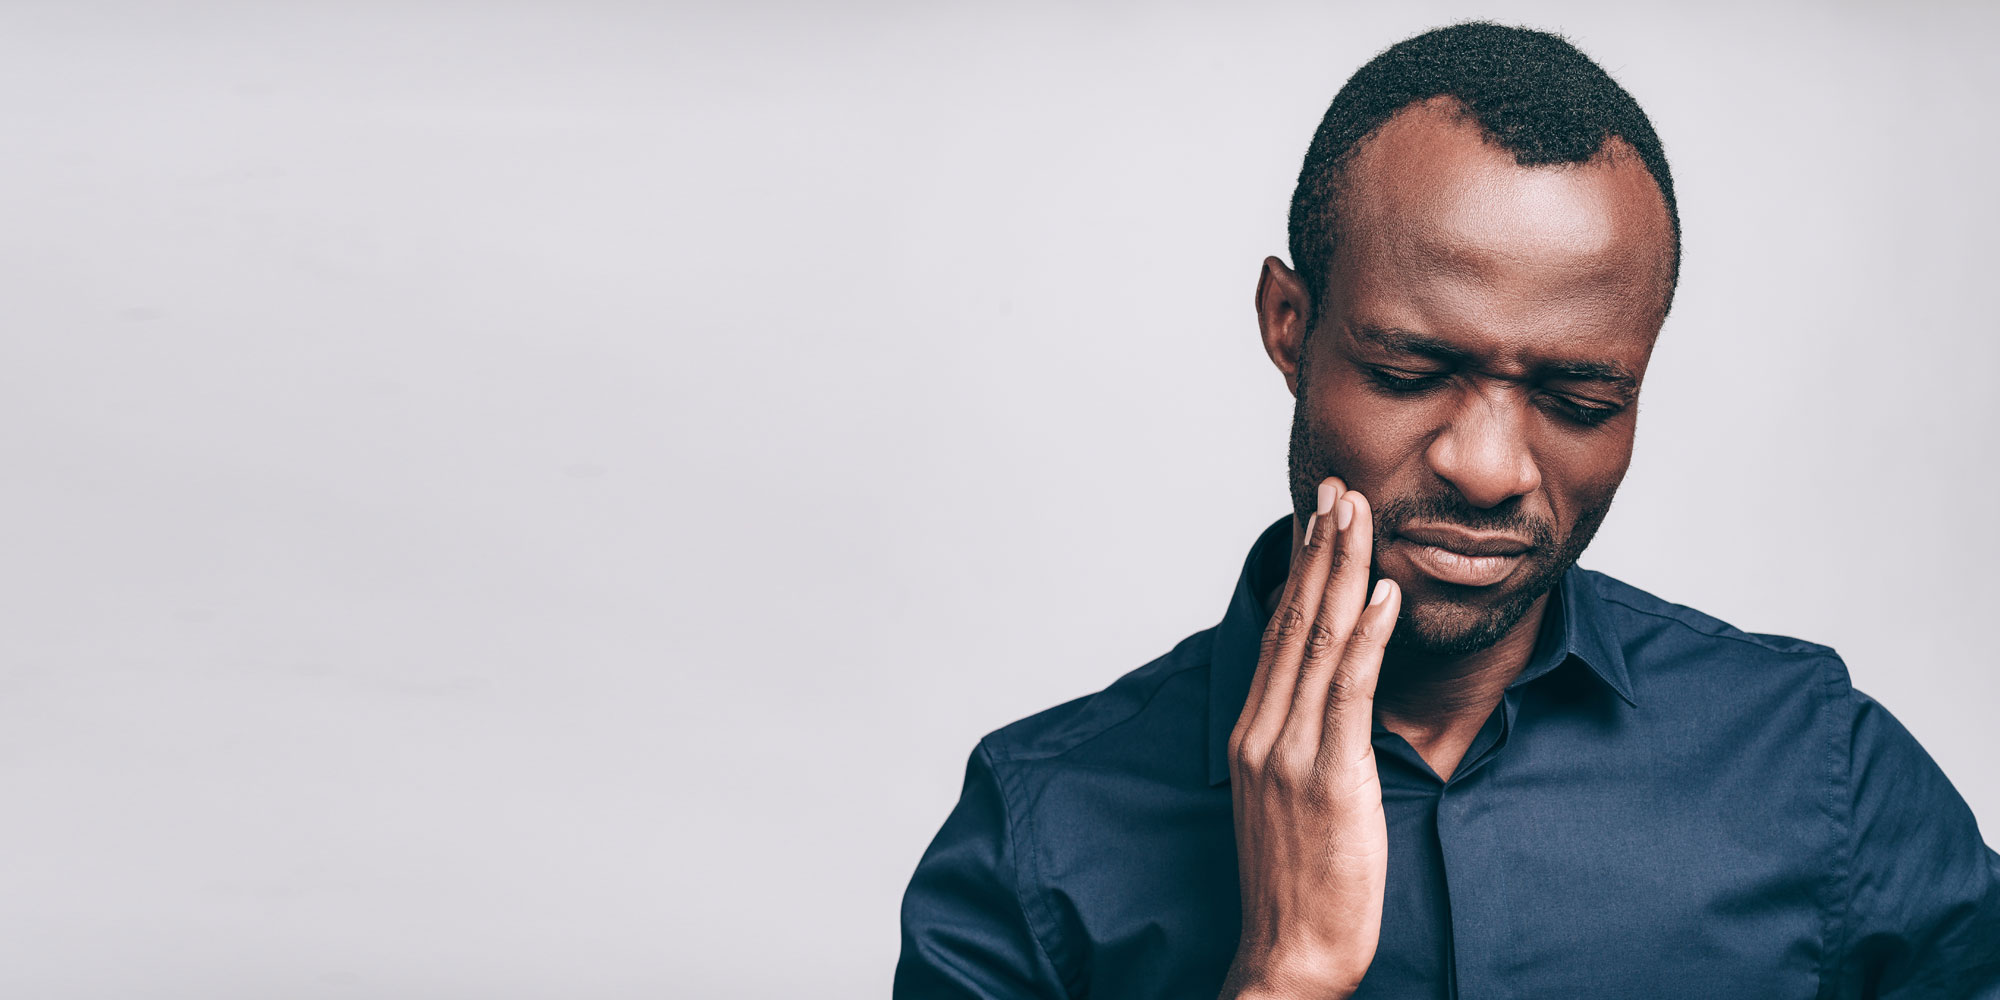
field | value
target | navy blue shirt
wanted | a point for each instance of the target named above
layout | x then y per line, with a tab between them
1660	806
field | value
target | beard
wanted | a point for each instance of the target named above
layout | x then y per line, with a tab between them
1441	619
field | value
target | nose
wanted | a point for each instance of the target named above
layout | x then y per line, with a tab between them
1484	450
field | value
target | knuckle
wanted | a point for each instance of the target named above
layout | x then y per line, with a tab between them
1268	651
1279	779
1286	623
1277	771
1321	639
1350	547
1344	687
1246	757
1364	635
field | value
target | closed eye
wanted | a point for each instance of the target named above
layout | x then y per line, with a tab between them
1405	382
1583	413
1408	383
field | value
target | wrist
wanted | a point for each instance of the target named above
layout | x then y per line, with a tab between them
1314	981
1276	993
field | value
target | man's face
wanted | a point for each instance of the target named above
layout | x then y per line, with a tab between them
1474	366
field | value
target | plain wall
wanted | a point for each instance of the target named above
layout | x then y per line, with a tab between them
539	500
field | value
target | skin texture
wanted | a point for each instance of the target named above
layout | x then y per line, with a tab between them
1311	836
1524	301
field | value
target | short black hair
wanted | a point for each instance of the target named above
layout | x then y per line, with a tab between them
1532	92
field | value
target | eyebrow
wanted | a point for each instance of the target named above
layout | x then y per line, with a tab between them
1407	342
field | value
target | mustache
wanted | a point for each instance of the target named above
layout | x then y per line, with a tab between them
1510	517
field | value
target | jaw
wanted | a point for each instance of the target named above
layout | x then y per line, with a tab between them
1438	624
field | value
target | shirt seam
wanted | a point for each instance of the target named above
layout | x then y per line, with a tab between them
1839	806
1024	893
1109	726
1816	650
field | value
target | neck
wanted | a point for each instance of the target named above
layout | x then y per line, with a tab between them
1435	692
1438	703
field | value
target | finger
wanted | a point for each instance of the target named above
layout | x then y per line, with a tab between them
1350	714
1284	635
1279	653
1345	594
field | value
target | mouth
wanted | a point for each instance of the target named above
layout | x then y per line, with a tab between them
1458	556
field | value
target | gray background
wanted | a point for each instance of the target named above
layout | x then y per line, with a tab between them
539	500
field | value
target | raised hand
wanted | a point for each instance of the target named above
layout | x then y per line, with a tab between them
1312	844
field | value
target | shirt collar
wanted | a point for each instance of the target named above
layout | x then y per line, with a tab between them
1580	628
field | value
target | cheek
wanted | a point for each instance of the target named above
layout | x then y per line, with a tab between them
1584	473
1376	441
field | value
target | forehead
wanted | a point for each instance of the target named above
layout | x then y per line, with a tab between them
1437	220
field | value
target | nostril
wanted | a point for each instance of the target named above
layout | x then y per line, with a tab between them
1486	460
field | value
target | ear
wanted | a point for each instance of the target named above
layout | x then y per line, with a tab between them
1284	315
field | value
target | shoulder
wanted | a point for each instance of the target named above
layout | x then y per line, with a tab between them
1892	779
1680	651
1159	701
1666	642
1921	891
1728	694
1641	615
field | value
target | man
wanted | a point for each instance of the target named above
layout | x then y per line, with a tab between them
1423	754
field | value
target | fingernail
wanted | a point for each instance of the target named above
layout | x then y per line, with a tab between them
1381	592
1327	493
1310	518
1343	513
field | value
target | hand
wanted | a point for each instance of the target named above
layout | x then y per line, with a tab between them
1312	845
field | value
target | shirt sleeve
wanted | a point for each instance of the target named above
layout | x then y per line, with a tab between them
966	931
1923	907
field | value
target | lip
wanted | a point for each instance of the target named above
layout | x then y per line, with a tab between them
1465	542
1458	556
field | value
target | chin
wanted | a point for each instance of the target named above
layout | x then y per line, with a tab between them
1432	625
